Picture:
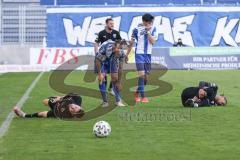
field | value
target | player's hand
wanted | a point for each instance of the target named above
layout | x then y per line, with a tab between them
100	78
195	99
126	59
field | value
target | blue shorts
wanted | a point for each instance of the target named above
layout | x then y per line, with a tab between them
105	67
143	62
109	66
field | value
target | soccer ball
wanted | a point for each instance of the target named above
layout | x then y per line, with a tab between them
101	129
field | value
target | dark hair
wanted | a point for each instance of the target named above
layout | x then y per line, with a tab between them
147	17
108	19
117	42
121	42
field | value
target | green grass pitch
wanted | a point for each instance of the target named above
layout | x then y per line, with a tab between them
207	133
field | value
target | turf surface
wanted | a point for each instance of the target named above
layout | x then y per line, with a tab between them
180	133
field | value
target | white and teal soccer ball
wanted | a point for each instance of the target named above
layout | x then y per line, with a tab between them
101	129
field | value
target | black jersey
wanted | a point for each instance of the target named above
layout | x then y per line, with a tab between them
60	108
104	36
191	92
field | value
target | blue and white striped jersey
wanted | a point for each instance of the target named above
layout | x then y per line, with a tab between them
105	51
143	46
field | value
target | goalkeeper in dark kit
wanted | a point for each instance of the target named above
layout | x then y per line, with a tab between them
205	94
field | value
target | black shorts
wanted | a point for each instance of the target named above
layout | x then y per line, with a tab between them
50	114
52	105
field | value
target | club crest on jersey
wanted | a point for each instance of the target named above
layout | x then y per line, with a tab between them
114	35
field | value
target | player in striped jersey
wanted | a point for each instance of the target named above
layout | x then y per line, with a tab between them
109	60
145	35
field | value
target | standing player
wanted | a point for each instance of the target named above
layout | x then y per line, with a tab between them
145	35
109	59
104	35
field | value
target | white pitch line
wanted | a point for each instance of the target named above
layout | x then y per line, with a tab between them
5	125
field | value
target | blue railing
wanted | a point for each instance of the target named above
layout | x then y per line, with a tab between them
137	2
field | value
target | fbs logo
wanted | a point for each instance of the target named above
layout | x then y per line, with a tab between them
58	76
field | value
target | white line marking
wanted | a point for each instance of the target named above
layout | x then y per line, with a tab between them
5	125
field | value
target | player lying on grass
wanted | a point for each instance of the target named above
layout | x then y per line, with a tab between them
203	95
145	35
109	60
68	106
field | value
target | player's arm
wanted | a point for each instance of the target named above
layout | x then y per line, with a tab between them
212	88
204	102
46	101
97	41
96	45
129	48
133	38
118	36
99	58
99	66
120	72
152	37
203	84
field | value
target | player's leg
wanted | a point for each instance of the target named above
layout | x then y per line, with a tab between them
147	70
140	68
116	88
110	89
20	113
102	84
102	87
114	78
114	70
141	83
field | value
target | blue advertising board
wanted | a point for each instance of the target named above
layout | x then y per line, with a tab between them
198	27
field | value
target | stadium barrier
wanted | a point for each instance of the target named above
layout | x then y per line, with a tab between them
188	58
206	33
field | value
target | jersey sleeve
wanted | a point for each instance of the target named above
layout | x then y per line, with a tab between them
98	38
52	102
211	94
118	36
204	102
135	33
155	34
101	54
77	99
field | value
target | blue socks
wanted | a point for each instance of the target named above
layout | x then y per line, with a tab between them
141	82
102	88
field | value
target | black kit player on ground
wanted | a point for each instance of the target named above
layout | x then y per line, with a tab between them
205	94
